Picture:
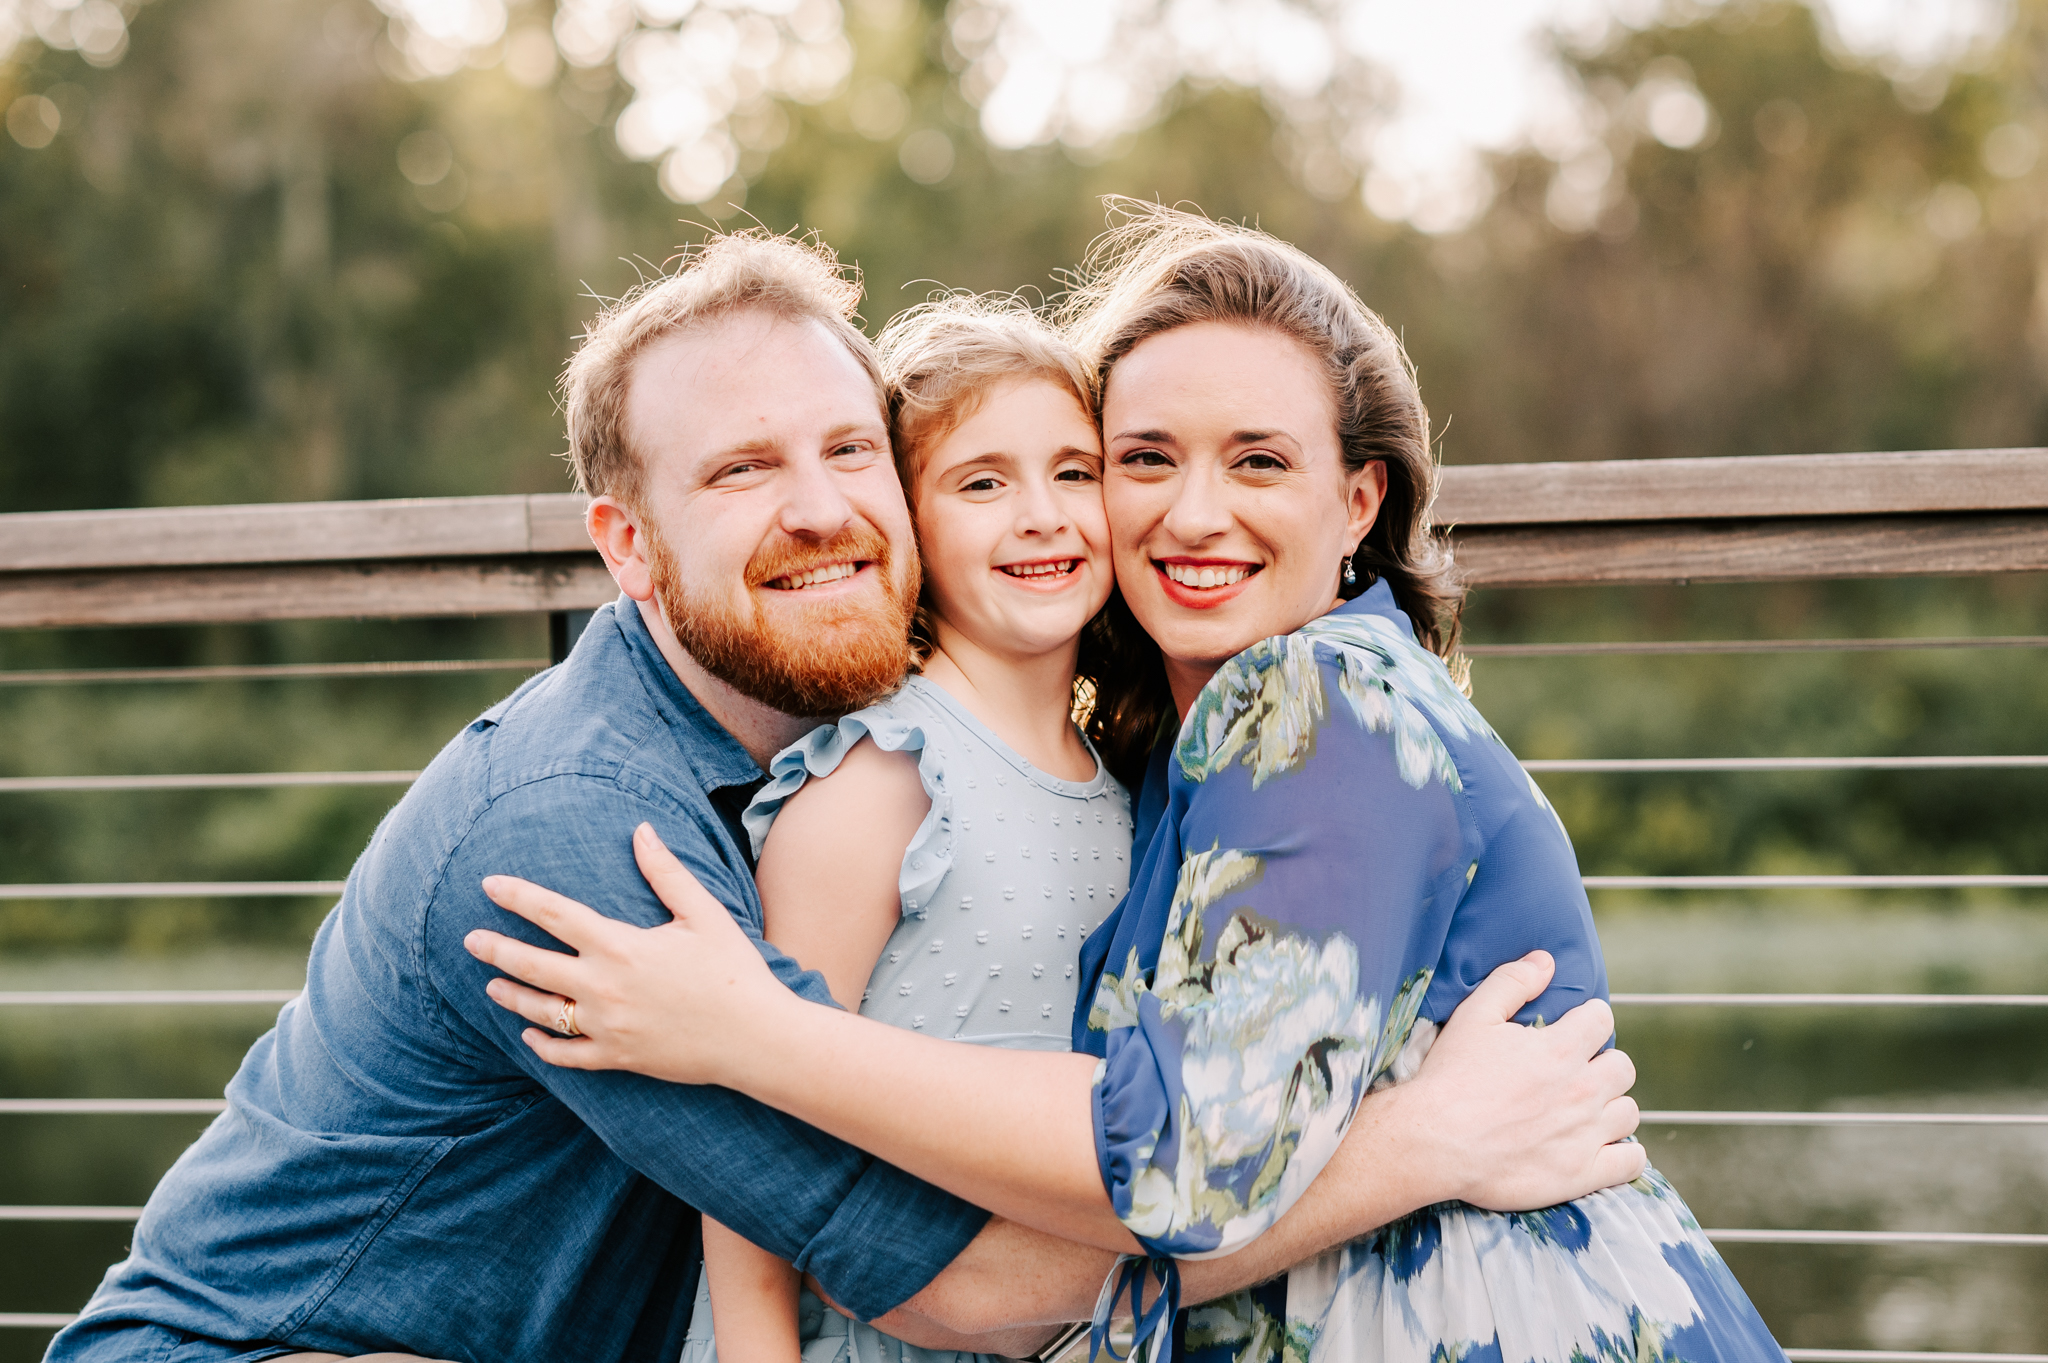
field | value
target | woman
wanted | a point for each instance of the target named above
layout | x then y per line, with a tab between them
1335	848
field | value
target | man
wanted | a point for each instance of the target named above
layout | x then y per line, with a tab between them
397	1171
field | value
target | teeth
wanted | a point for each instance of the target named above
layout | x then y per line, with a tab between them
1055	569
1188	575
831	572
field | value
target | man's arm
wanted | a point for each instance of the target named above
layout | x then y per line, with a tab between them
871	1233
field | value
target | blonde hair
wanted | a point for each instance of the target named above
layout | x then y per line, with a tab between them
792	279
1160	268
942	359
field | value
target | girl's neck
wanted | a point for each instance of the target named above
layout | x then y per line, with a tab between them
1026	702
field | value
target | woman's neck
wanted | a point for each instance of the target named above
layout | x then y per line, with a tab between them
1026	702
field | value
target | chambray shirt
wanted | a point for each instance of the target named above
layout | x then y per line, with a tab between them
397	1170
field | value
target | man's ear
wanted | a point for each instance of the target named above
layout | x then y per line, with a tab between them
616	533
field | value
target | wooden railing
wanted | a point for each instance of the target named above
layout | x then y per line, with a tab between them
1701	520
1727	520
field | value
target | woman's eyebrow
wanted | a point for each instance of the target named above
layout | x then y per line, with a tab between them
1149	437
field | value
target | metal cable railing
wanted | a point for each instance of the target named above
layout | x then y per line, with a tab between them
1866	1239
1654	646
77	676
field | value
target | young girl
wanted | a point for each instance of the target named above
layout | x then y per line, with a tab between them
940	856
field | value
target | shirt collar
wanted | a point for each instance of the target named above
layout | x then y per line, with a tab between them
1378	599
714	755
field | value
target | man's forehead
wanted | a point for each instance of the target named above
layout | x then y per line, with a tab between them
748	376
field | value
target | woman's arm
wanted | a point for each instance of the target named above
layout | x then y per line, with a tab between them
753	1299
1522	1119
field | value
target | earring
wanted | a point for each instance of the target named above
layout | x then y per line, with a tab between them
1350	572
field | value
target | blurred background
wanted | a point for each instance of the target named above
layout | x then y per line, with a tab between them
278	250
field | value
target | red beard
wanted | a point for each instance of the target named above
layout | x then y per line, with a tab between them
838	658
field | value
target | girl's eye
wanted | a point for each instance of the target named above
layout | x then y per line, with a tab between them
982	485
1074	475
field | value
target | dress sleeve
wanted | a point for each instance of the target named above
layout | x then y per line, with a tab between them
819	753
1300	889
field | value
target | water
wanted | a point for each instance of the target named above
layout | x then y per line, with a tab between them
1904	1059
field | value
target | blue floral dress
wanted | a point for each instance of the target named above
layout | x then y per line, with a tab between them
1333	851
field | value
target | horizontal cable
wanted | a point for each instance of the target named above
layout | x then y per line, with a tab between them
177	889
34	1320
265	671
1659	764
85	1107
247	780
1845	1118
49	998
1813	882
1817	1237
70	1213
237	780
1568	650
1903	1356
1816	1000
281	889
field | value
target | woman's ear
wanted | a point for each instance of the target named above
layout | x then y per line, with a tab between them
1364	492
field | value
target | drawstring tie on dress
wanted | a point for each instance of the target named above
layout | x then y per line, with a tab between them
1150	1325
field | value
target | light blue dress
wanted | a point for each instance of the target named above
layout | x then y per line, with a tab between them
1005	876
1334	850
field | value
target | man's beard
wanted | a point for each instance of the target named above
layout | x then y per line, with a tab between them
838	658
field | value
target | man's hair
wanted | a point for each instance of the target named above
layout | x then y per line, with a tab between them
796	280
942	359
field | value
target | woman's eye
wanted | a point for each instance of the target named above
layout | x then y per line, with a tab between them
1144	459
1260	462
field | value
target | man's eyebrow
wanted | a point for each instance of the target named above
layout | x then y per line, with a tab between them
846	428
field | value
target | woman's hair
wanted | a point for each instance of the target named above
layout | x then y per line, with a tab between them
1160	268
940	362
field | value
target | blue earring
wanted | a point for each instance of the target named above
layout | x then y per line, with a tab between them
1350	573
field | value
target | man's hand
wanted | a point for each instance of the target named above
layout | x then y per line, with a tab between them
1509	1117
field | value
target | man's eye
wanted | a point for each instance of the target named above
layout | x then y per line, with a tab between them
855	447
743	468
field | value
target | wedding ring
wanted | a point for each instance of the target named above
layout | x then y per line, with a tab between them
565	1021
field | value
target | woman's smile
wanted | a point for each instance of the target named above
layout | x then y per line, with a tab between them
1202	583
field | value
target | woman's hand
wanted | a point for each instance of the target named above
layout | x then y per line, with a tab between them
678	1002
1503	1116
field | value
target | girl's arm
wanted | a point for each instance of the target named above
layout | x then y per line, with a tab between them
827	875
753	1299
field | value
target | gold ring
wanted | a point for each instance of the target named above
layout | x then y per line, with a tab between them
565	1021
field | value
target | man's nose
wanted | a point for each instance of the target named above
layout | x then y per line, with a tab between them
814	504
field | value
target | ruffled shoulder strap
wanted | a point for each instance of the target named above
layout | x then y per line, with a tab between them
905	722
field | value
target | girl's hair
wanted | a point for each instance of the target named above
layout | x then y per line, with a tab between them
1159	269
940	362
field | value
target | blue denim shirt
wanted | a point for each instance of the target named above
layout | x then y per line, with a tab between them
397	1170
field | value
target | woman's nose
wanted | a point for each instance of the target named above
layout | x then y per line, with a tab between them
1200	509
